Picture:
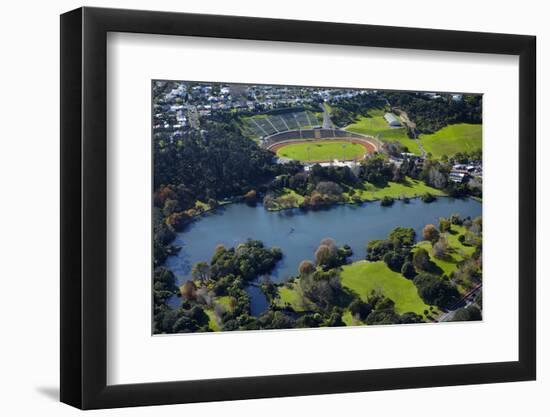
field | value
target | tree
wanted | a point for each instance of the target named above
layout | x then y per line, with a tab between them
441	248
306	268
470	313
170	206
410	318
177	221
376	249
331	243
427	197
455	219
444	225
330	188
394	261
212	203
360	309
386	201
323	255
251	197
201	272
402	237
335	320
430	233
421	260
408	270
189	290
434	290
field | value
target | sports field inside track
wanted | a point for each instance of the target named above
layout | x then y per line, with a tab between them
325	150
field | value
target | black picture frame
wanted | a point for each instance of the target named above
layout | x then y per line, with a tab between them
84	207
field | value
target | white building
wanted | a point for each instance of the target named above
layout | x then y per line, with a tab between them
392	120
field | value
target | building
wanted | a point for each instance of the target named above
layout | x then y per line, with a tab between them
392	120
458	177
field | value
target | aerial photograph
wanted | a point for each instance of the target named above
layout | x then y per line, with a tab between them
300	207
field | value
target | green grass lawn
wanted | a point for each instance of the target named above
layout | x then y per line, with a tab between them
225	300
377	126
349	319
212	322
287	199
451	139
363	277
322	151
290	296
409	188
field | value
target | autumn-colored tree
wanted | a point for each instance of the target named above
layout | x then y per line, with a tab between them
178	220
323	255
251	197
441	248
306	268
430	233
189	290
163	194
331	243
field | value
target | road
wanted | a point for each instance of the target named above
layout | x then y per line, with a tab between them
465	301
327	123
412	127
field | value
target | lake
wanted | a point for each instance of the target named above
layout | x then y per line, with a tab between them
298	233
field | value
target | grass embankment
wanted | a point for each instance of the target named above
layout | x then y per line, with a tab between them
408	188
363	277
461	137
286	199
322	151
377	126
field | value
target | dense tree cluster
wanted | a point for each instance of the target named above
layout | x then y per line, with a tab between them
395	250
215	163
435	290
226	274
321	187
248	260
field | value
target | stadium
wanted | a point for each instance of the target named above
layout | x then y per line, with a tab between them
309	137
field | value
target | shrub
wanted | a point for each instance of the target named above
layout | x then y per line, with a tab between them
428	198
408	271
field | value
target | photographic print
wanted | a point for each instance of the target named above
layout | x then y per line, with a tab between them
293	207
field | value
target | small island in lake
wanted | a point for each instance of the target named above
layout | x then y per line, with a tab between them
283	207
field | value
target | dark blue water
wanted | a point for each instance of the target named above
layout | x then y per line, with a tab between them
298	233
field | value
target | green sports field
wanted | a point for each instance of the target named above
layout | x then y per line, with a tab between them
451	139
325	150
377	126
363	277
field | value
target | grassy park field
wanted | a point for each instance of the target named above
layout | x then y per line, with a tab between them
457	251
377	126
322	151
409	188
451	139
364	277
